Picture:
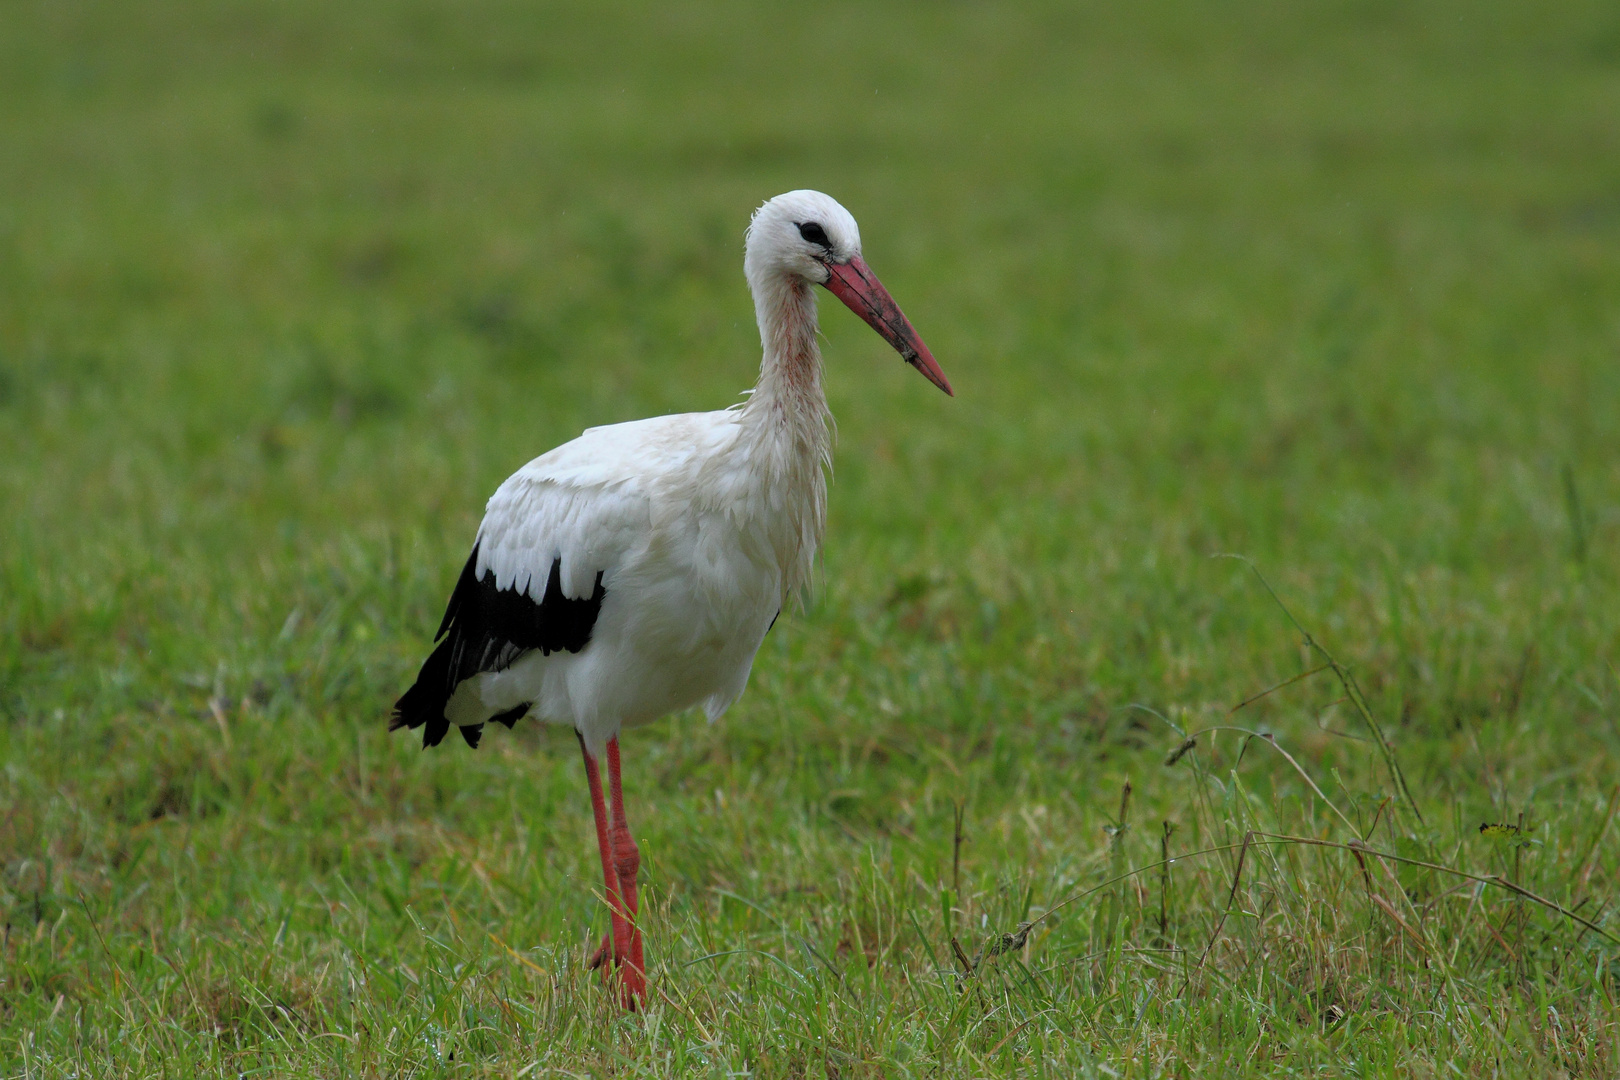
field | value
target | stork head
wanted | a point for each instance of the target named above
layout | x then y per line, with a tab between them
807	235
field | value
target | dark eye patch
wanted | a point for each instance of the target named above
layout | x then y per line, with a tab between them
815	234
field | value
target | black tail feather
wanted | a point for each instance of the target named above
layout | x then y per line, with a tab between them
422	706
511	716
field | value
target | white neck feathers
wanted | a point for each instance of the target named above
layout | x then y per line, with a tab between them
786	438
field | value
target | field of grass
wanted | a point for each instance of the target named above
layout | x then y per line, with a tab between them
287	288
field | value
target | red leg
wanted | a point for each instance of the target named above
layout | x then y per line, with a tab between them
627	860
610	870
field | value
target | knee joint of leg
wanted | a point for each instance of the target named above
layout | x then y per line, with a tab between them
626	856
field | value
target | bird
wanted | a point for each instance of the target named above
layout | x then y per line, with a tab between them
634	572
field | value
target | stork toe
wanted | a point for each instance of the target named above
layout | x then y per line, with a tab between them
602	953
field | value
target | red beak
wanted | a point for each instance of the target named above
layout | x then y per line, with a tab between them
860	290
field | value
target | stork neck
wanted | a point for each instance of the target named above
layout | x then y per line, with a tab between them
786	445
789	390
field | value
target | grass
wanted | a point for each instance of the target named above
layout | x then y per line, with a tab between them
287	289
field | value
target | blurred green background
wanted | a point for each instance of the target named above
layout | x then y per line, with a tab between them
286	289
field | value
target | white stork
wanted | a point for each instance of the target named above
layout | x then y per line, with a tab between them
634	571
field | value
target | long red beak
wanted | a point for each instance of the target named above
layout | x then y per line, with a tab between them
860	290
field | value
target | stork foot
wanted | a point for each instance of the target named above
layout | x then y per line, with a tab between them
632	980
632	990
603	953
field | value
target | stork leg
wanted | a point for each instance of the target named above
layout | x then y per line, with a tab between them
620	934
627	860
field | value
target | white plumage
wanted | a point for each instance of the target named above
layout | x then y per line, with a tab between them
634	571
698	550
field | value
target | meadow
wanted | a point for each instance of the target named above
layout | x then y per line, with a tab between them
286	289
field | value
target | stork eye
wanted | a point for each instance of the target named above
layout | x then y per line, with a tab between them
815	234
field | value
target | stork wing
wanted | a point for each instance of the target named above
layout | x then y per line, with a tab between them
538	573
552	539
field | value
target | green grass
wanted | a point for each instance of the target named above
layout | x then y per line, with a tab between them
287	288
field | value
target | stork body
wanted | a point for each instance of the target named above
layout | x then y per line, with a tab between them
634	571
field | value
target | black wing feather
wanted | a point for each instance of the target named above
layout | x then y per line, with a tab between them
487	629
